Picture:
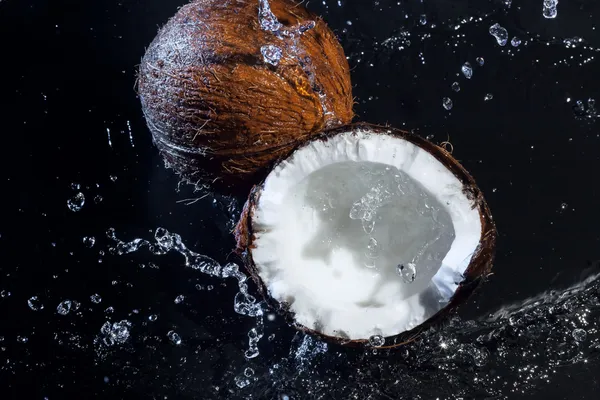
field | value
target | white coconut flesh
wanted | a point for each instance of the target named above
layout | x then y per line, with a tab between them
363	235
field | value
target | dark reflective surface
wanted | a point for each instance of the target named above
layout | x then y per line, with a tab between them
69	73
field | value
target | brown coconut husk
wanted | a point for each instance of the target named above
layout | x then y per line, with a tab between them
477	271
217	109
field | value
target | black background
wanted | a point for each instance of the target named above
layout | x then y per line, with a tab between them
68	75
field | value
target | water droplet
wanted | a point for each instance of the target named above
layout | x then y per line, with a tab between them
515	42
152	317
22	339
447	103
248	372
76	202
89	241
174	338
368	226
408	272
98	199
372	249
116	333
179	299
467	70
5	293
579	335
251	353
75	186
480	356
113	178
271	54
109	310
34	303
64	307
572	42
499	33
488	97
95	298
241	381
591	109
549	9
376	340
423	19
579	108
456	87
480	61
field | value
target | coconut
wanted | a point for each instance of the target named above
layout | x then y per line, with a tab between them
229	86
366	234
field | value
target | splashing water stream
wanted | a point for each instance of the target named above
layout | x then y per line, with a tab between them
514	349
244	303
272	54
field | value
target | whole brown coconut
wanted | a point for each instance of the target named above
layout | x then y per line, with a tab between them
228	86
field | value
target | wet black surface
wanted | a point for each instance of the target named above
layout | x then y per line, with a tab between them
68	76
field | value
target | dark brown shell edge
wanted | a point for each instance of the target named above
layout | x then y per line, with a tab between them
478	270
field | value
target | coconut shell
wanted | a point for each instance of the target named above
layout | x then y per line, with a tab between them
217	107
477	271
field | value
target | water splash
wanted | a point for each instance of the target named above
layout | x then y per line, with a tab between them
113	334
499	33
366	207
268	20
376	340
447	103
89	241
549	8
514	350
96	298
586	110
64	307
244	302
408	272
573	42
467	70
76	202
34	303
271	54
173	336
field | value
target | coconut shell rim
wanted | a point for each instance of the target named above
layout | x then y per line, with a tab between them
476	273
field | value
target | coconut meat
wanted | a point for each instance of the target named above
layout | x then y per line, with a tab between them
363	234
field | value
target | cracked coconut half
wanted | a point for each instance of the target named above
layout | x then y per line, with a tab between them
367	234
